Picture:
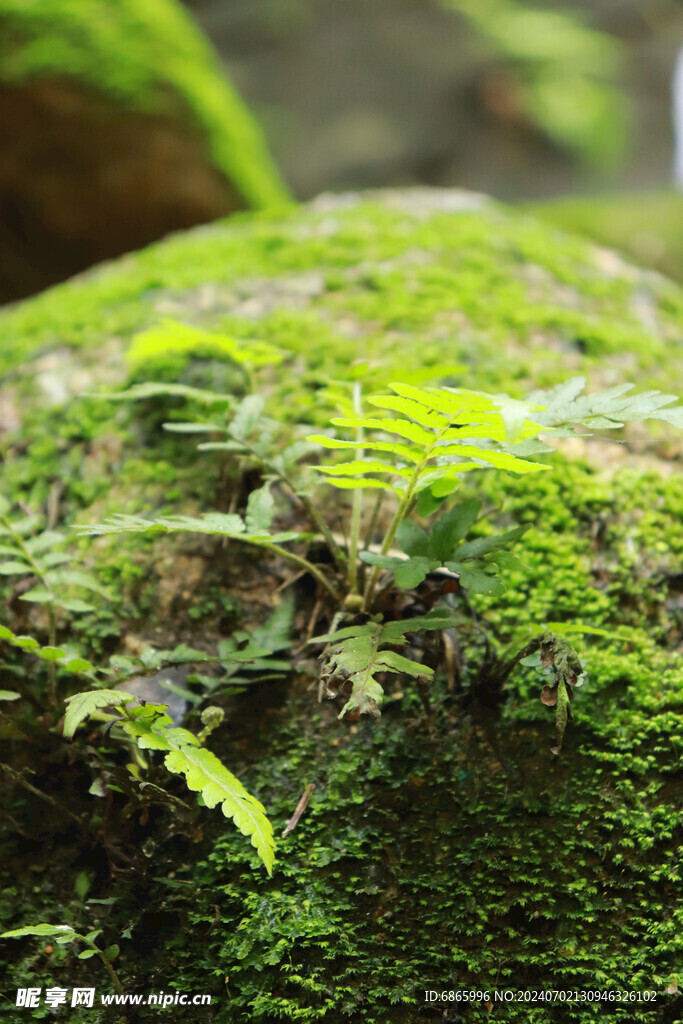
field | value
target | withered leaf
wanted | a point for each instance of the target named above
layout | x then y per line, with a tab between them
549	696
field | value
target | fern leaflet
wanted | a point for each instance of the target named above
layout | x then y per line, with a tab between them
606	410
151	728
441	548
433	439
253	529
359	653
47	653
41	555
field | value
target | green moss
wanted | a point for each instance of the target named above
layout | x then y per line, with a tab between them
377	291
458	853
516	302
149	57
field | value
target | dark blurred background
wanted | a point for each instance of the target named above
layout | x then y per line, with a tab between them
516	99
121	120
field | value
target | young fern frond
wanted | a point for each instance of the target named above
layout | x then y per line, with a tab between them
152	729
475	563
252	529
41	555
358	653
441	433
439	424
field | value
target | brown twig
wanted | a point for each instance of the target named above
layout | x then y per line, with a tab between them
216	921
300	808
20	779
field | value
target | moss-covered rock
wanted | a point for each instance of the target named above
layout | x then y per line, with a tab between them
118	126
647	226
449	851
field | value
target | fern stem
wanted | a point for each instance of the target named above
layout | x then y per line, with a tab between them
52	625
399	516
318	521
110	970
311	511
388	540
357	506
298	560
373	519
21	780
51	667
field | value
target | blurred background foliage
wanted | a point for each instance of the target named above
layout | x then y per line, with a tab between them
124	119
560	72
513	97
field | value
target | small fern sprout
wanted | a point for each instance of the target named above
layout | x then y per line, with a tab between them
358	653
38	555
211	718
150	728
64	934
436	438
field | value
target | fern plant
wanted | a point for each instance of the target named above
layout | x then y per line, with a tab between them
242	659
150	728
442	433
474	564
249	437
417	452
253	529
38	555
359	653
64	934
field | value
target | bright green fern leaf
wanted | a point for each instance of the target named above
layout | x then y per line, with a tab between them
82	705
206	774
441	548
440	425
150	727
217	523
